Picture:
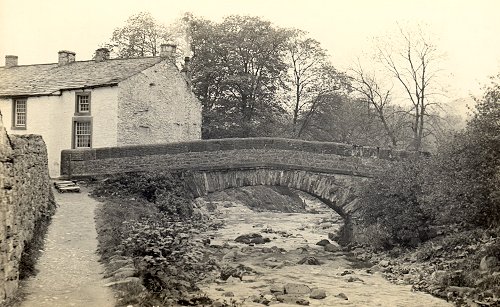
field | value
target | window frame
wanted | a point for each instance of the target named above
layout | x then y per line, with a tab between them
15	113
74	134
78	111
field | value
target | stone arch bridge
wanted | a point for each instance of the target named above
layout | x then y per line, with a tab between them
329	171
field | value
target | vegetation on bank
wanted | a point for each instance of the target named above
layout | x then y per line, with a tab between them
149	218
447	205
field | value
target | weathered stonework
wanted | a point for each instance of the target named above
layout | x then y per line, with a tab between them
25	198
157	106
273	153
335	190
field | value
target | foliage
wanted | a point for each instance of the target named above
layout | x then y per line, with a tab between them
460	185
141	36
237	68
394	200
149	217
466	169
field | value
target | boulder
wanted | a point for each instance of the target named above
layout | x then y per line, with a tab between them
252	238
297	289
323	242
277	289
309	260
342	296
318	294
331	248
488	263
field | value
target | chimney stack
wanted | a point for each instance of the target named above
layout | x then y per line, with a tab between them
167	51
66	57
101	54
10	61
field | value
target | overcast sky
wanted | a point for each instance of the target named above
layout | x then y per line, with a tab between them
467	31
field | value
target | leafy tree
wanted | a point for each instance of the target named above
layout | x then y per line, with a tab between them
141	36
238	66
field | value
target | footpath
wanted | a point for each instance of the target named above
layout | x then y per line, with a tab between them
69	271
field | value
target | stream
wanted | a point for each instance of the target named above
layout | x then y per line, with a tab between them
266	268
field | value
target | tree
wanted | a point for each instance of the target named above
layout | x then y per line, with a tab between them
238	66
375	96
306	60
415	67
141	36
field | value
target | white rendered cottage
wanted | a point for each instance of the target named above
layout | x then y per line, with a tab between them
99	103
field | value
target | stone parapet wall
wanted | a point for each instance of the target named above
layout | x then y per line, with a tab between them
231	154
25	198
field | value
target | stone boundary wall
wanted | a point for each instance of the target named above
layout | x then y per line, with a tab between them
25	198
220	154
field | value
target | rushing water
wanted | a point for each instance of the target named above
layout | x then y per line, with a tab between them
297	234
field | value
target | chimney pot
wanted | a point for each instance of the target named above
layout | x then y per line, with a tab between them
66	57
101	54
167	51
10	60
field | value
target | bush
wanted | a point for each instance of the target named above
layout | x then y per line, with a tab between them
393	202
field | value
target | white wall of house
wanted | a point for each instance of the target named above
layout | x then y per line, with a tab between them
52	118
157	106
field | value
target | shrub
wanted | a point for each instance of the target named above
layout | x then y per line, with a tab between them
393	201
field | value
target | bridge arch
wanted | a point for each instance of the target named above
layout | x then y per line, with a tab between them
337	191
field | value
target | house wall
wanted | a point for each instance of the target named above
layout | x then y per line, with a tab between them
52	118
157	106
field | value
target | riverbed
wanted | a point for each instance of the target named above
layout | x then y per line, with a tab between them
270	273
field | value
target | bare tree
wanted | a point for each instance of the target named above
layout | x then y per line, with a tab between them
375	96
415	65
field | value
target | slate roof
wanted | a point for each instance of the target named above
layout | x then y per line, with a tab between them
44	79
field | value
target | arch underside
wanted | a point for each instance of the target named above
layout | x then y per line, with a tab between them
336	191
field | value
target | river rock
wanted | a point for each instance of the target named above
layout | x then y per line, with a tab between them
384	263
136	281
228	294
309	260
254	238
277	289
323	242
124	273
488	263
331	248
291	299
342	296
297	289
318	294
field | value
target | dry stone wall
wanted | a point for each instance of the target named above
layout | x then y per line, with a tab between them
25	199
